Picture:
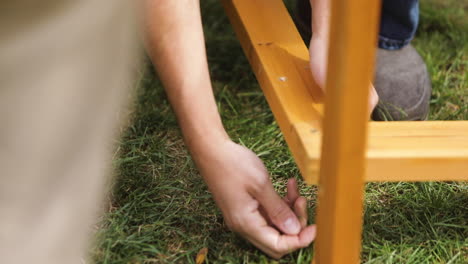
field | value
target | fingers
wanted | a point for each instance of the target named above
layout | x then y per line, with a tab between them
277	210
270	241
265	215
287	243
292	192
373	98
296	202
300	209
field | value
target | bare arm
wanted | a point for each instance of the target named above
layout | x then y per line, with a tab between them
320	17
176	45
236	177
321	13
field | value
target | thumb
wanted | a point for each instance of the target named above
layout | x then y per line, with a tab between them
280	214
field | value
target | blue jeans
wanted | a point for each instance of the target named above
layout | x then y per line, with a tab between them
398	23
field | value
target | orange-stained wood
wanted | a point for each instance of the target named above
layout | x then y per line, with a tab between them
353	34
400	151
418	151
279	60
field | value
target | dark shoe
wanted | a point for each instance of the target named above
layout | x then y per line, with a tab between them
401	78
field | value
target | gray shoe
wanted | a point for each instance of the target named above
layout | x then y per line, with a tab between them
403	85
401	78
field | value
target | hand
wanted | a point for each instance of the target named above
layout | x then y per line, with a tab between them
318	51
243	191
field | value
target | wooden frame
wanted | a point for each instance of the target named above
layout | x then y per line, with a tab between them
395	151
401	150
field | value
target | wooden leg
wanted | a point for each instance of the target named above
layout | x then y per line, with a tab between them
353	38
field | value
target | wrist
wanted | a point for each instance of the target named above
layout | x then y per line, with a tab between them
208	154
204	145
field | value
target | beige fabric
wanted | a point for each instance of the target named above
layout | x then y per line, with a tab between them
64	70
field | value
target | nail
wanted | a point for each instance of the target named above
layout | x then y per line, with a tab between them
292	226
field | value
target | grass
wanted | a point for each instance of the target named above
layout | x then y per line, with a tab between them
160	211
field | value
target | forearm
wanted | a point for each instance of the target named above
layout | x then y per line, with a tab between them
176	45
235	175
320	18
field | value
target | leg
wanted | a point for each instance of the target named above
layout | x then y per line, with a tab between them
65	67
399	21
401	77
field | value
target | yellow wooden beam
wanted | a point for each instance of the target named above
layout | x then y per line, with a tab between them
353	34
397	151
401	151
279	60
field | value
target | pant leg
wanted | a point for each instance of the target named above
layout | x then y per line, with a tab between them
398	23
64	74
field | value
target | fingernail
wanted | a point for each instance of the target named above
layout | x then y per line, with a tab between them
292	226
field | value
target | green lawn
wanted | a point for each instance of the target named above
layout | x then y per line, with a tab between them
160	211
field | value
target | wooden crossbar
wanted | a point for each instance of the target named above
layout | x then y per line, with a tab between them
397	151
401	151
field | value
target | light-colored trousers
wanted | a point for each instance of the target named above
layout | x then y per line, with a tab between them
65	67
